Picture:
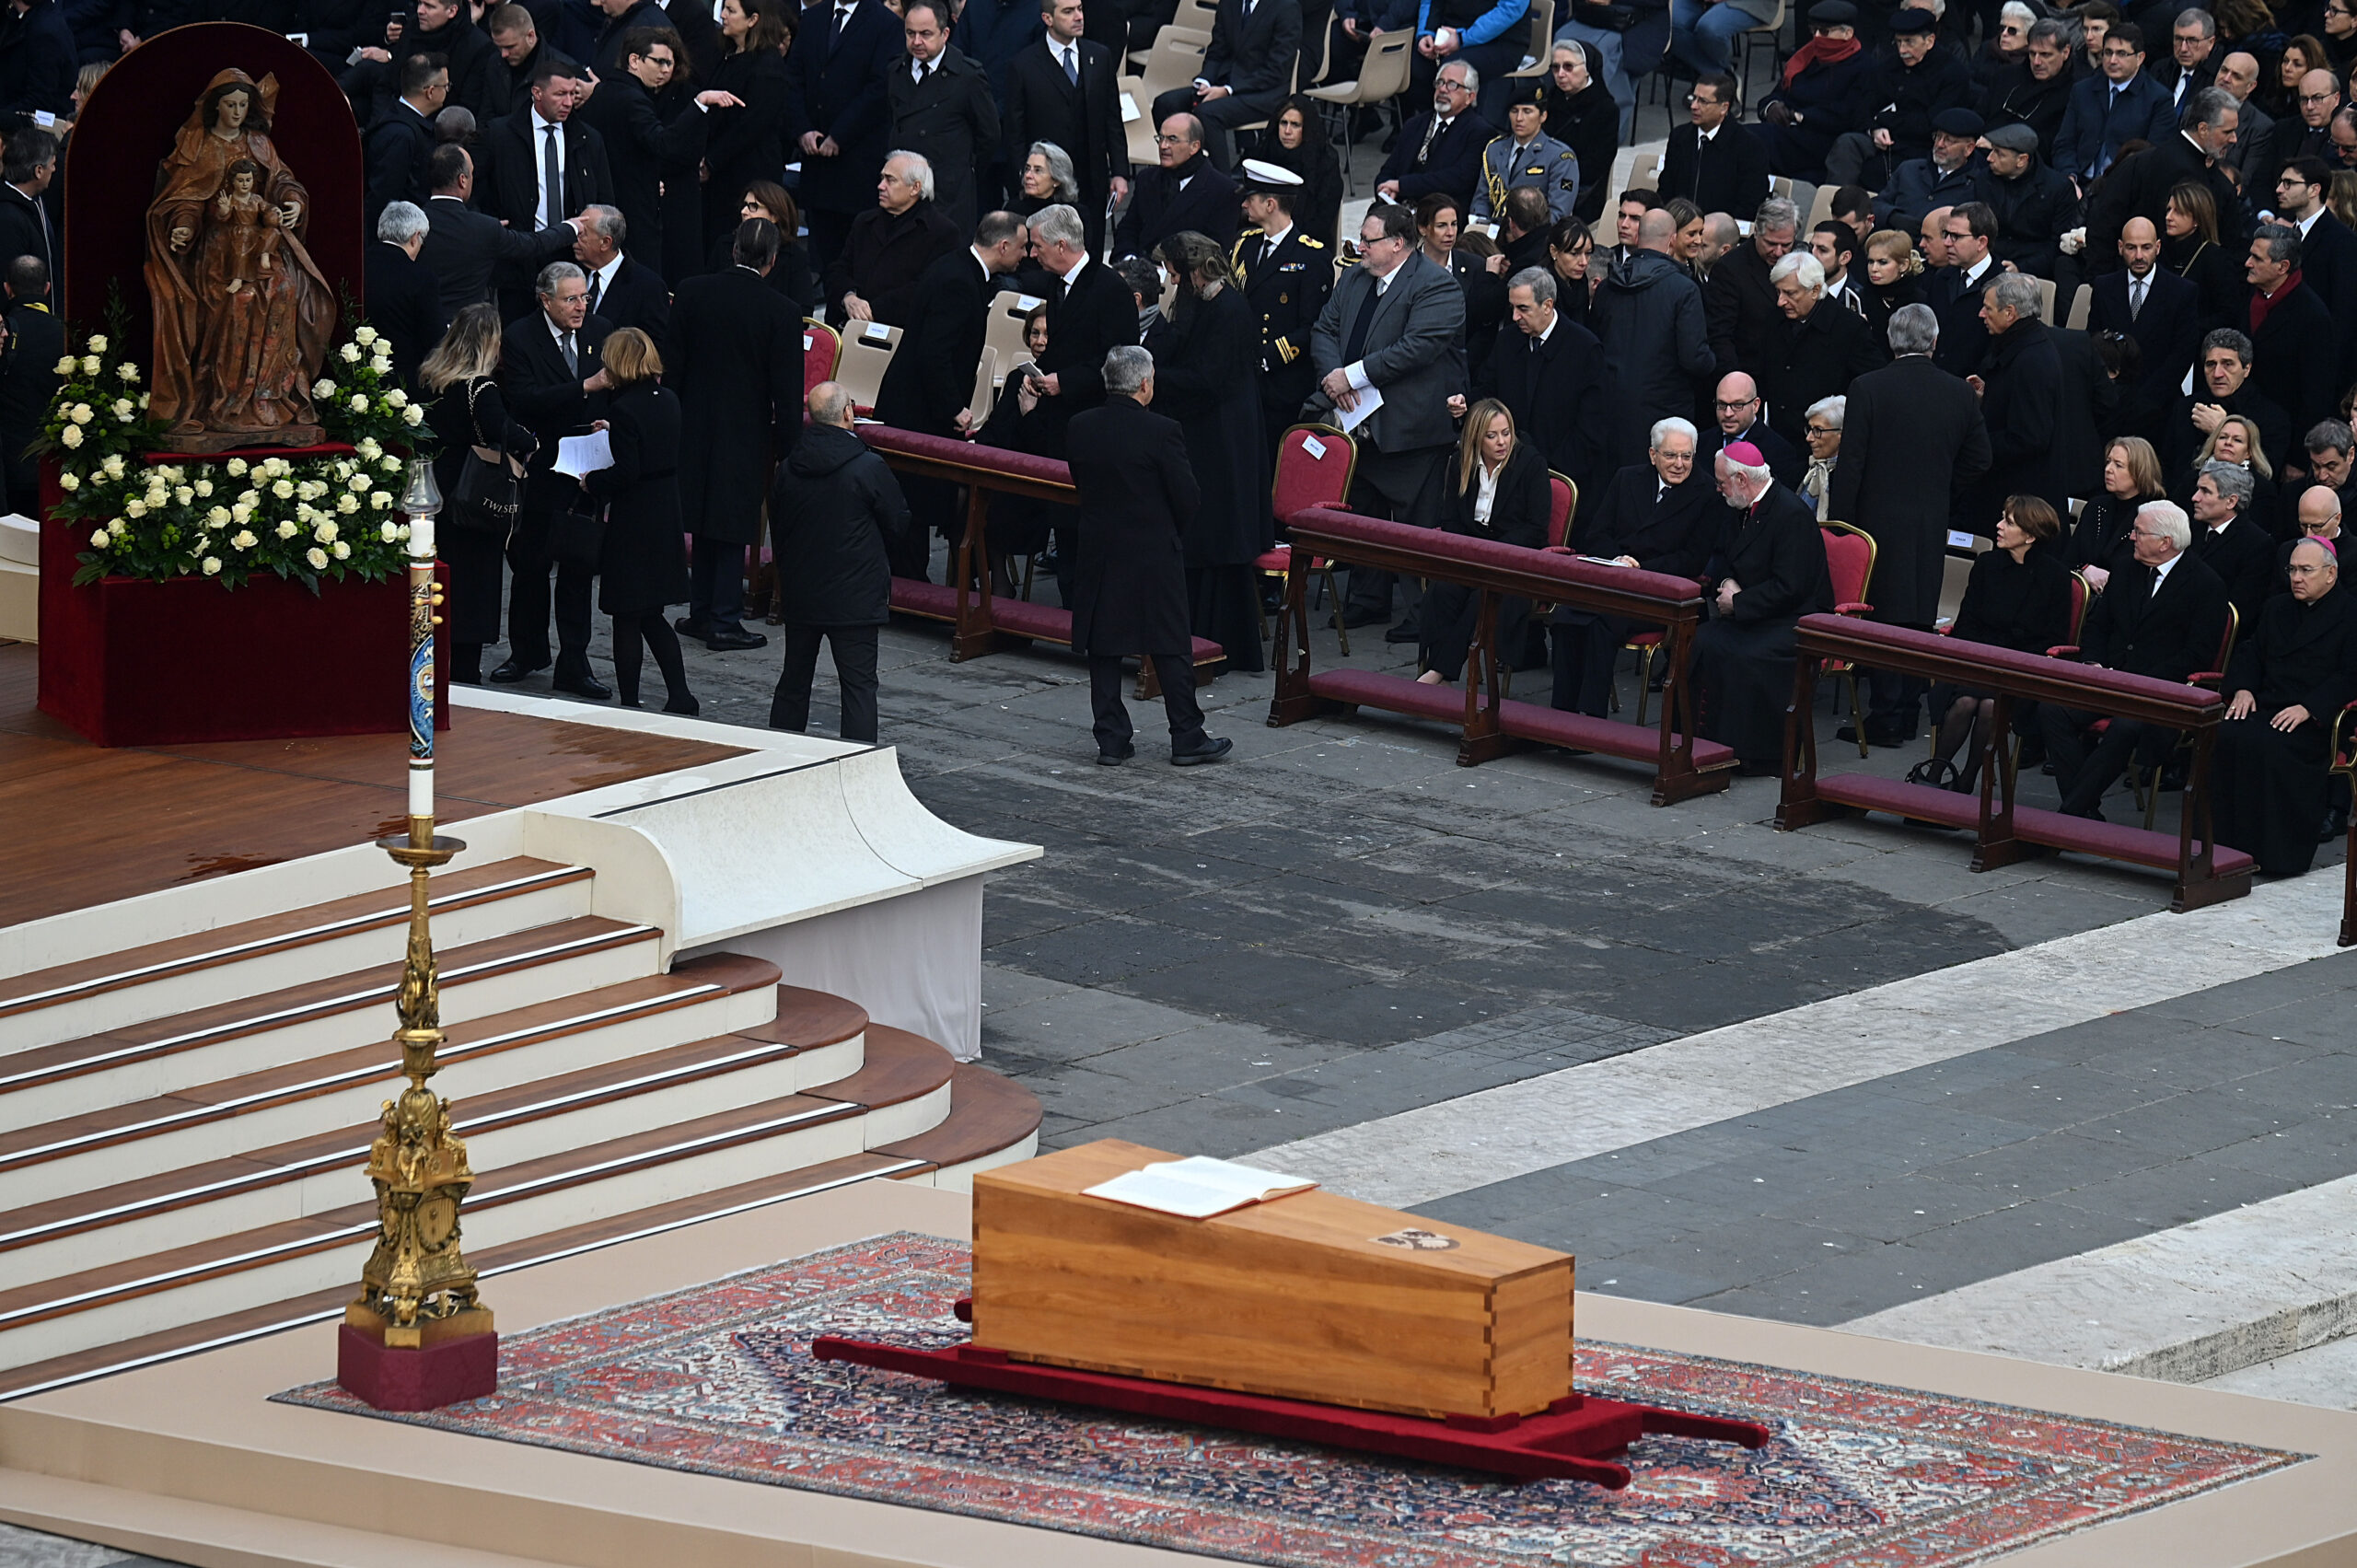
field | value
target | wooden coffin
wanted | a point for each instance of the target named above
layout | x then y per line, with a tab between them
1299	1298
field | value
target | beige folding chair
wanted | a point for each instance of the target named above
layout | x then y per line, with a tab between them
1780	185
1540	60
868	348
2045	299
1383	76
2083	302
1820	207
985	387
1768	32
1645	172
1003	330
1176	60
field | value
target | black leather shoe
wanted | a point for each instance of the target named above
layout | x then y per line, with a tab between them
1115	758
735	642
688	627
2336	823
1211	749
586	686
1404	633
685	705
513	670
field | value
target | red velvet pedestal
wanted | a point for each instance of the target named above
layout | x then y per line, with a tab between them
128	662
423	1379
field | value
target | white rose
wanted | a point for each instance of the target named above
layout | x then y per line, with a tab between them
98	343
349	353
317	557
240	512
370	451
64	366
69	481
134	507
213	566
219	517
118	528
390	533
380	500
122	408
237	468
113	465
381	364
243	539
185	494
79	413
324	387
287	530
100	538
275	467
127	371
342	551
360	402
413	415
143	402
71	435
90	364
397	399
392	465
404	531
324	533
282	488
364	336
347	504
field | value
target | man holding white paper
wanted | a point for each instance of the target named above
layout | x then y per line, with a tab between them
556	383
1391	336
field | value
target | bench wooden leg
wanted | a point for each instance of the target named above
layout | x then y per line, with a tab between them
2197	881
1675	776
1994	844
976	634
1289	654
1481	740
1800	804
2348	888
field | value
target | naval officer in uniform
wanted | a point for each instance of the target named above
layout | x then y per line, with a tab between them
1527	155
1285	277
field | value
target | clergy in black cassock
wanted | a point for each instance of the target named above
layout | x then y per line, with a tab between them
2287	683
1771	572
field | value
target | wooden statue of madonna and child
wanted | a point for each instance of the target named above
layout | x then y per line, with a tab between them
243	316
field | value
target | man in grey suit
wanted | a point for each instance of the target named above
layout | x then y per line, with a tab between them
1394	327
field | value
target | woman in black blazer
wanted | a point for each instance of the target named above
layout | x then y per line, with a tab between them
461	376
744	144
2019	597
1496	491
2099	543
642	568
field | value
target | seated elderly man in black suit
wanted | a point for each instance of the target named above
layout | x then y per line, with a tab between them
2289	677
1187	192
554	383
1440	151
2164	617
1656	517
1247	70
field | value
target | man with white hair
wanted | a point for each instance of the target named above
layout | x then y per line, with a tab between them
875	277
2288	679
1824	432
2230	542
2163	616
1770	572
1739	303
1656	515
1824	352
404	300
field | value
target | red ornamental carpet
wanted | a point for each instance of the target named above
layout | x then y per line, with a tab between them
719	1380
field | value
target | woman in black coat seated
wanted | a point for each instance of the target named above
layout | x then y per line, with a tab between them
2019	597
642	569
1299	144
790	274
1496	490
461	376
748	144
2099	544
1206	348
1019	525
1582	115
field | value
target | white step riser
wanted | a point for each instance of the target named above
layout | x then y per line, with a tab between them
463	1001
960	1178
891	1123
188	991
831	1063
570	1205
344	1185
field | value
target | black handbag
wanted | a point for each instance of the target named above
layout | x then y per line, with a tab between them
489	495
578	533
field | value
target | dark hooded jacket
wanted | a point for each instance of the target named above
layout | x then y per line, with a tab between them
835	508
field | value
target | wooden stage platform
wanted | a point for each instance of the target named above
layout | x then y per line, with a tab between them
88	825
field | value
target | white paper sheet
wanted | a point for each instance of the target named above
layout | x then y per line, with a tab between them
1369	401
578	455
1198	1187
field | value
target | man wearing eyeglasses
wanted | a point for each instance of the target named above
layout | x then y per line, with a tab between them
2192	63
1820	93
2036	92
2328	251
1714	160
1917	78
1440	150
1952	174
2117	104
2290	675
2310	136
1187	191
2204	135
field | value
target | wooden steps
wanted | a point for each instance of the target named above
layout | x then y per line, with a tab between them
185	1176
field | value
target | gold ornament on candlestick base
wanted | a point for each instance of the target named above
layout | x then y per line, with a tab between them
418	1337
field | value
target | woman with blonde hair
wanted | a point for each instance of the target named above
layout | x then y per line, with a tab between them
467	412
2236	441
1894	277
642	567
1497	491
2132	476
